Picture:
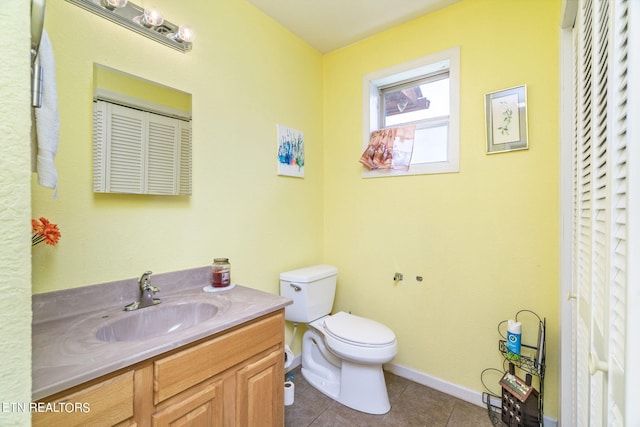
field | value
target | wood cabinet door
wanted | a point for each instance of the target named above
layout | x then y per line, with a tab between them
260	392
201	408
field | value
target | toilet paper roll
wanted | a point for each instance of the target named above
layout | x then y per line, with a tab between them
289	390
288	357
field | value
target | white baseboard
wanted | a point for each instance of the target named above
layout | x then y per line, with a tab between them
462	393
451	389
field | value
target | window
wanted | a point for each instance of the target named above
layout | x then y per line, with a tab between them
424	93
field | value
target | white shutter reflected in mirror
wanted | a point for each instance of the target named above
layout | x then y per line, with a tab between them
162	161
124	160
138	152
185	159
98	146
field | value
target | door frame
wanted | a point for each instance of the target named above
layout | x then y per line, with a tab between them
567	302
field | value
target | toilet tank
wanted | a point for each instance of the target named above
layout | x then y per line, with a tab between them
312	290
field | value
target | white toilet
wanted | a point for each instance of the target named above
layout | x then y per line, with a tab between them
342	354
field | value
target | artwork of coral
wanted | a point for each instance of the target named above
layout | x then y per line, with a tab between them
290	152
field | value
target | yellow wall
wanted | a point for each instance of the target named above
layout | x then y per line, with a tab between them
15	267
246	74
127	84
485	239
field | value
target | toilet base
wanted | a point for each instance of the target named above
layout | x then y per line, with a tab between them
358	386
363	388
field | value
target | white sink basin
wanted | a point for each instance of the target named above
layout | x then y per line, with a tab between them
157	320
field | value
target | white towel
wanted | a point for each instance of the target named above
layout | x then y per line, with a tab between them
47	120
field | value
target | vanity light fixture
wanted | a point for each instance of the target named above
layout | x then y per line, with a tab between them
147	22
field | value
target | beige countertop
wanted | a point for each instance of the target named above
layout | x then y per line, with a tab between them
66	351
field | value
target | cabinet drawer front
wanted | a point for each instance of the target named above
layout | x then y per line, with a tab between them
178	372
105	403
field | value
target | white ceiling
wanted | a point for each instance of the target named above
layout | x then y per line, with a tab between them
328	25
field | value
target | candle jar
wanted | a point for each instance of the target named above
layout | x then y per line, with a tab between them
221	273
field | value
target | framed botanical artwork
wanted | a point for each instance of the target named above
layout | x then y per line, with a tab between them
506	120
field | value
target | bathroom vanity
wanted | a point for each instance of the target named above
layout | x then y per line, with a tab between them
226	370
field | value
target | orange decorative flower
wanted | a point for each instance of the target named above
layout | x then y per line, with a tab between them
44	231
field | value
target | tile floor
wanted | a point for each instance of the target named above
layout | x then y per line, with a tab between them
412	404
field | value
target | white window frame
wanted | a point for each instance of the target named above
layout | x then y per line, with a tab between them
373	82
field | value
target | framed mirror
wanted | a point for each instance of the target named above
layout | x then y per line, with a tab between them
142	142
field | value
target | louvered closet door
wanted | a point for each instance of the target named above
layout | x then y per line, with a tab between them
620	404
185	158
600	212
99	146
125	171
583	188
140	152
162	162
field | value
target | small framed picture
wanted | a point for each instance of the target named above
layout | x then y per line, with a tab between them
506	120
290	152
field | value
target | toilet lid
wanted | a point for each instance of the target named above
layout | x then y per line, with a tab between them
358	330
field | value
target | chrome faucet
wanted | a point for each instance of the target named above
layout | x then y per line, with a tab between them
146	293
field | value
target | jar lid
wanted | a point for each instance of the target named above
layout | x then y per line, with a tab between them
221	260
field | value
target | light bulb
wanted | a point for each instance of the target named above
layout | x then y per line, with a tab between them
185	34
151	18
112	4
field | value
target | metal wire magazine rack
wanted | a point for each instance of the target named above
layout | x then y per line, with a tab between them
516	408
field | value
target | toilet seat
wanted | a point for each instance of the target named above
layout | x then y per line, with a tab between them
358	331
357	339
